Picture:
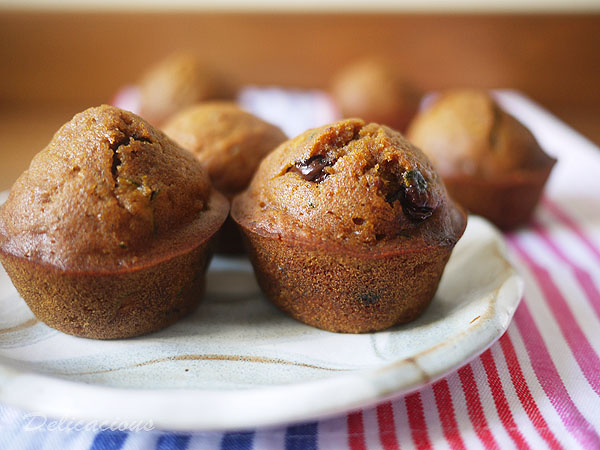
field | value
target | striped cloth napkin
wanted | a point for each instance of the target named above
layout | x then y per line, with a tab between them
537	387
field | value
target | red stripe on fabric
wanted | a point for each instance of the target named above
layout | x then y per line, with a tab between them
550	380
443	401
356	431
572	224
583	277
387	426
416	420
500	401
586	357
476	414
524	394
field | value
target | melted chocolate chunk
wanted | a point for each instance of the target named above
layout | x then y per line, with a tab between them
415	196
410	190
312	168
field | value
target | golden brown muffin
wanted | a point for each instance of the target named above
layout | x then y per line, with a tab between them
348	227
179	81
230	143
373	91
490	162
106	235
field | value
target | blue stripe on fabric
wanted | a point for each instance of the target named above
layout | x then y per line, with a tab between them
173	442
301	437
109	440
237	441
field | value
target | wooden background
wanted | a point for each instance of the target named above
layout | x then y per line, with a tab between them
56	64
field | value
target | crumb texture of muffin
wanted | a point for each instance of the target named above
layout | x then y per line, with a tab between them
372	90
179	81
349	227
490	162
101	210
229	141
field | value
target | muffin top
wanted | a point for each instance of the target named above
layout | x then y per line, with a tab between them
353	184
372	90
179	81
464	132
105	193
229	141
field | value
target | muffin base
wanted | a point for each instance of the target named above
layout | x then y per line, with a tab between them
164	284
346	292
507	202
111	305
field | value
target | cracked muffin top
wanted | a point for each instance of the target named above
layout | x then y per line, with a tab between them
104	193
229	141
353	184
178	81
465	132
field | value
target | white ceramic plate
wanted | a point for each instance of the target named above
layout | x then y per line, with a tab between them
239	362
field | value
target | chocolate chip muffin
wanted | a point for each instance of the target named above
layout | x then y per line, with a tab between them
348	227
179	81
375	92
230	143
106	235
490	162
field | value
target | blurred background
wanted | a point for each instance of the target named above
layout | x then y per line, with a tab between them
60	57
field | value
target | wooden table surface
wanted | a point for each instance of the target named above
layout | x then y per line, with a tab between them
57	64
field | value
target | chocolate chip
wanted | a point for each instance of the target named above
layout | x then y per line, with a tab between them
312	168
410	189
415	197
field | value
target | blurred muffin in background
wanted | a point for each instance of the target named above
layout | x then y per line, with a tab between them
230	143
375	92
179	81
489	161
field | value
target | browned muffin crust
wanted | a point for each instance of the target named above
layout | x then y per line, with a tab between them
179	81
101	211
348	227
112	305
375	92
490	162
350	184
229	141
106	187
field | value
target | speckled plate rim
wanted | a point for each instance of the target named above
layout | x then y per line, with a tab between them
217	410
